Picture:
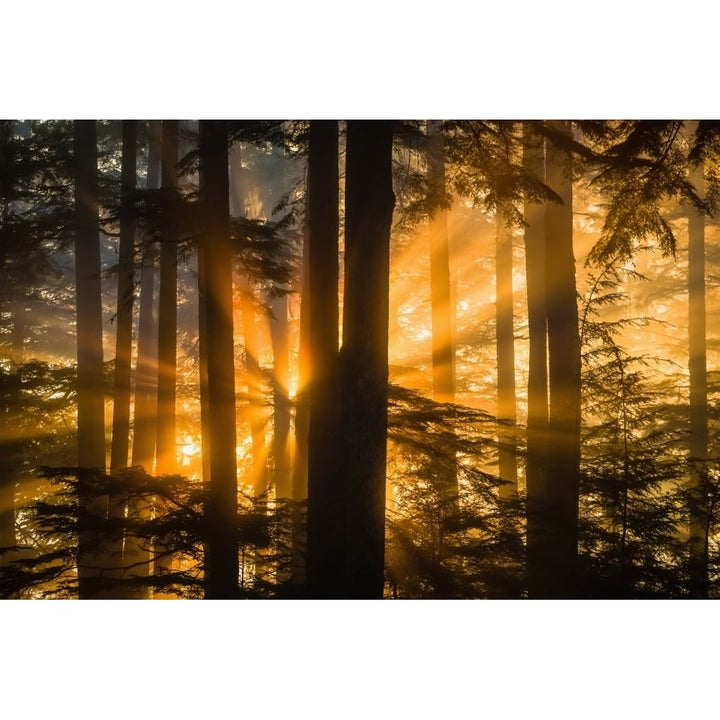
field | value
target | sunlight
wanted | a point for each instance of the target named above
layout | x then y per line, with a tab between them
190	448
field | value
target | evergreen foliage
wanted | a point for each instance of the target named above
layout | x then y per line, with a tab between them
641	491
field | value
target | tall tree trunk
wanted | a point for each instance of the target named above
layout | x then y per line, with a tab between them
369	203
325	522
136	553
90	388
203	353
166	454
11	380
254	380
117	505
126	289
281	447
10	444
505	343
221	560
302	420
534	162
254	409
167	311
698	439
145	425
442	309
281	399
563	469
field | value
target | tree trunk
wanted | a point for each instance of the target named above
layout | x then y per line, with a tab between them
90	388
505	343
533	161
442	309
222	554
167	311
126	289
698	440
369	203
136	554
253	377
563	469
145	425
302	420
281	399
203	353
166	454
221	559
10	443
325	524
11	379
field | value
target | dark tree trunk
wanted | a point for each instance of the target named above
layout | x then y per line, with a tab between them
325	523
563	468
440	291
505	344
281	399
203	353
442	309
221	560
698	440
254	380
145	425
166	453
90	388
136	553
9	445
167	310
126	276
302	419
533	161
117	505
369	203
253	411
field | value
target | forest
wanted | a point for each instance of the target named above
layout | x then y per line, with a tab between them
359	359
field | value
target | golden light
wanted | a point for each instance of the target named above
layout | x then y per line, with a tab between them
190	448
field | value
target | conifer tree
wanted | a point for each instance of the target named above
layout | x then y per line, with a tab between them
698	439
562	478
91	401
145	418
221	564
369	203
533	162
126	295
167	310
325	516
505	343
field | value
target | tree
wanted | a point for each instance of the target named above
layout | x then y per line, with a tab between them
534	163
167	309
505	343
698	438
126	295
325	527
166	450
136	550
91	400
221	561
369	203
442	308
145	418
563	466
